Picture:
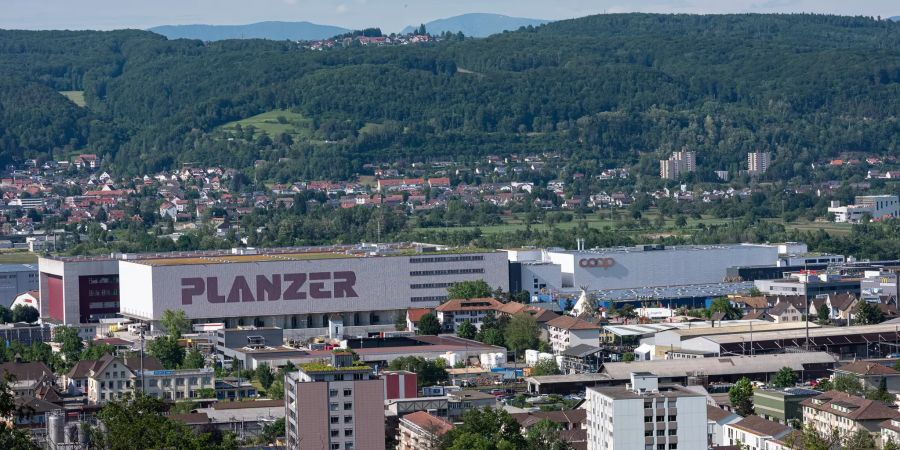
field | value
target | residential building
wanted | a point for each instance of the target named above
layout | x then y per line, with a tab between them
453	313
870	375
716	419
354	416
890	431
458	402
874	207
752	432
413	316
845	413
178	385
421	431
645	415
109	377
758	162
28	378
781	405
567	332
678	163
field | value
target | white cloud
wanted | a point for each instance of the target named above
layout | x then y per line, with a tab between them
342	9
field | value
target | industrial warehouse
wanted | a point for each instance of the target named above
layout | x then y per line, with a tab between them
302	290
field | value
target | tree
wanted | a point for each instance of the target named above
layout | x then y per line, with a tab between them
723	305
96	351
264	375
867	314
25	313
741	396
627	312
429	372
275	391
400	322
175	323
544	435
486	429
860	440
193	359
545	366
140	419
469	289
628	357
168	351
491	336
881	394
786	377
429	325
522	333
272	431
848	384
466	330
12	437
823	314
70	344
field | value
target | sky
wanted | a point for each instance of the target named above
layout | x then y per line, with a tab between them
390	15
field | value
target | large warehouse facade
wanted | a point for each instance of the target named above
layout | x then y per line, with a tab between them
299	289
636	267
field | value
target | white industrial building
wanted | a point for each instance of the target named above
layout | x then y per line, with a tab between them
303	290
645	415
876	207
634	267
16	279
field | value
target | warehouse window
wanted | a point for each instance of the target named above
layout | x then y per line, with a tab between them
430	285
436	298
435	259
425	273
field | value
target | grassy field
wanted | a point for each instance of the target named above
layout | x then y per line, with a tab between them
76	97
276	122
836	229
17	257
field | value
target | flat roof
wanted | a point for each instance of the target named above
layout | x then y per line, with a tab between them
675	292
731	365
621	392
756	326
651	250
6	268
653	328
800	333
277	254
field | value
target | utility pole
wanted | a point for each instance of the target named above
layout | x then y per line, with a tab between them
807	324
142	359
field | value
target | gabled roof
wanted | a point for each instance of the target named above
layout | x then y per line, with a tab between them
35	406
581	350
23	371
762	427
843	301
866	368
571	323
858	408
571	416
415	314
758	302
716	414
429	423
81	369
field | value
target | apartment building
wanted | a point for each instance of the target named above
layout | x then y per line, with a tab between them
453	313
337	405
645	415
178	385
890	431
678	163
758	162
567	332
834	410
753	432
421	431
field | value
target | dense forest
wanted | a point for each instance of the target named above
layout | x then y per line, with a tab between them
602	89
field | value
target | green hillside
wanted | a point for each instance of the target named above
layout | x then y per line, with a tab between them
603	89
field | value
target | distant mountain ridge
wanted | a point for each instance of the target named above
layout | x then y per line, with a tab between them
277	31
477	24
895	18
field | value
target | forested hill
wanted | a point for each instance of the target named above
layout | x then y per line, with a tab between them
603	88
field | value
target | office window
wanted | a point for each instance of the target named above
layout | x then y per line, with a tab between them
348	406
335	433
348	419
332	392
335	419
348	392
348	433
334	406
